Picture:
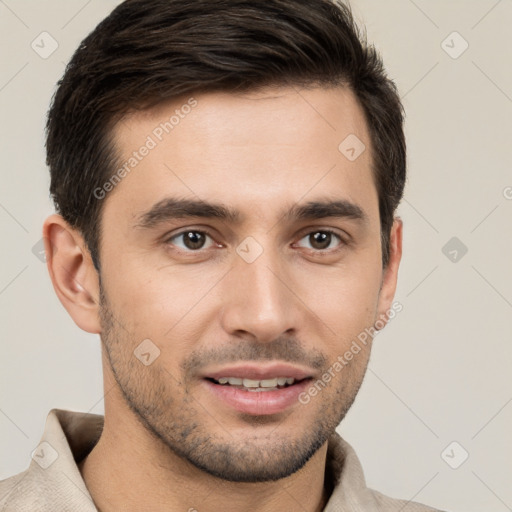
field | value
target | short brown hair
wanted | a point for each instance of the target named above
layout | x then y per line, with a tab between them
147	51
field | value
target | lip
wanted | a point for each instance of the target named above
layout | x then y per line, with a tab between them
260	372
257	402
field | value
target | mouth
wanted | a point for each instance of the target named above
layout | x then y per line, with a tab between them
261	385
256	397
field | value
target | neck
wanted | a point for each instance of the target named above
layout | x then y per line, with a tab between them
129	469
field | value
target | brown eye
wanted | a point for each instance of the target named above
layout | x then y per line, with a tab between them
194	239
190	240
322	240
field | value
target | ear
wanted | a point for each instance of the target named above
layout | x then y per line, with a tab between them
390	275
74	277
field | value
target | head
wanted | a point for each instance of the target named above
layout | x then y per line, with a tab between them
210	215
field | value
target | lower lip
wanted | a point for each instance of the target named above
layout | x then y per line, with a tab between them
258	402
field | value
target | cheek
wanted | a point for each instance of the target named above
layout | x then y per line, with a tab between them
345	296
161	301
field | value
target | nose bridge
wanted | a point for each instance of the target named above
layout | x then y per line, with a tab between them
257	300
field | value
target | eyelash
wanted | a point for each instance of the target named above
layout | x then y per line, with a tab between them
342	241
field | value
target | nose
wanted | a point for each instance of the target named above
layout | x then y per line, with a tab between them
258	302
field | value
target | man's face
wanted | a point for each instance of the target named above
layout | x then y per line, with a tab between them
269	286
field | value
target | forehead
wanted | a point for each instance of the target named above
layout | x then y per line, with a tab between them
248	150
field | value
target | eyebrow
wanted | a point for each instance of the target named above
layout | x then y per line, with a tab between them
174	208
340	208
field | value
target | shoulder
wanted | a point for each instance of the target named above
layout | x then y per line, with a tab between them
350	492
11	488
386	503
53	481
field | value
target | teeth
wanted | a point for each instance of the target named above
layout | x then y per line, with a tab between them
252	384
249	383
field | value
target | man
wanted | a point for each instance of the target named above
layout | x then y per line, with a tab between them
225	174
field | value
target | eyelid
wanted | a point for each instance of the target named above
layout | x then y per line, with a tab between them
168	237
344	238
327	229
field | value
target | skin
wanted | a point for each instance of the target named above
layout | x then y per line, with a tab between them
167	444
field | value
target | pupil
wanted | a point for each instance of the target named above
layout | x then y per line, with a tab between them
321	238
194	240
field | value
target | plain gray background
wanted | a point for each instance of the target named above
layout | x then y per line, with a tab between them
439	373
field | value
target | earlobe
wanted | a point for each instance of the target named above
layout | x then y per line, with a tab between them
390	274
72	272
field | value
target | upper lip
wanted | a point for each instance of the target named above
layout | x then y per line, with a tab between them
260	372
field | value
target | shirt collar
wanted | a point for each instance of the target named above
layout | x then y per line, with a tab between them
53	476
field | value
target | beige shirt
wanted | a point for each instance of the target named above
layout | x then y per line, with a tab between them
53	482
